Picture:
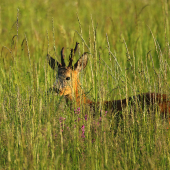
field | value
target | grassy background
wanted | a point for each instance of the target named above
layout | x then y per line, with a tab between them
129	46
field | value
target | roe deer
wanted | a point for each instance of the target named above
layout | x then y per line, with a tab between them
67	84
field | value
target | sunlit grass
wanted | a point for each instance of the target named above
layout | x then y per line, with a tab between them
129	54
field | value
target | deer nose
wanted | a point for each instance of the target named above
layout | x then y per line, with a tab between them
55	89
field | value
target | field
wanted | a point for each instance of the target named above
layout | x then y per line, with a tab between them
128	42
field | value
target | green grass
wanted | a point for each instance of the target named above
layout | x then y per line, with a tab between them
129	46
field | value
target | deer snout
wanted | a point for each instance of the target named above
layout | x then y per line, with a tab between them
53	90
56	90
57	87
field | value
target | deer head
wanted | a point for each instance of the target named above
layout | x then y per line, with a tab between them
67	78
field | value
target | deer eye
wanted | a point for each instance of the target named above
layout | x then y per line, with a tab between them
67	78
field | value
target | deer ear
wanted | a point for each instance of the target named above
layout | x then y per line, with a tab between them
81	63
52	62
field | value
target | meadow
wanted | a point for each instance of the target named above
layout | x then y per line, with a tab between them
128	42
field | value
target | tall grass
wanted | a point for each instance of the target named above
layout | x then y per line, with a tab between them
128	43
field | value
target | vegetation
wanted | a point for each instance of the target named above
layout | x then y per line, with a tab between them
128	42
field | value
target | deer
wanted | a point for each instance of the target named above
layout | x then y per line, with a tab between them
67	84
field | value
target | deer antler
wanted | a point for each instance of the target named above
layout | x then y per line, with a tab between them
72	54
62	57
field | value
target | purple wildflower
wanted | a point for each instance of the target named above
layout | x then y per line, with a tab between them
85	117
77	111
61	119
83	130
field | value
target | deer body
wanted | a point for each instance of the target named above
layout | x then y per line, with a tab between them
148	99
67	84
